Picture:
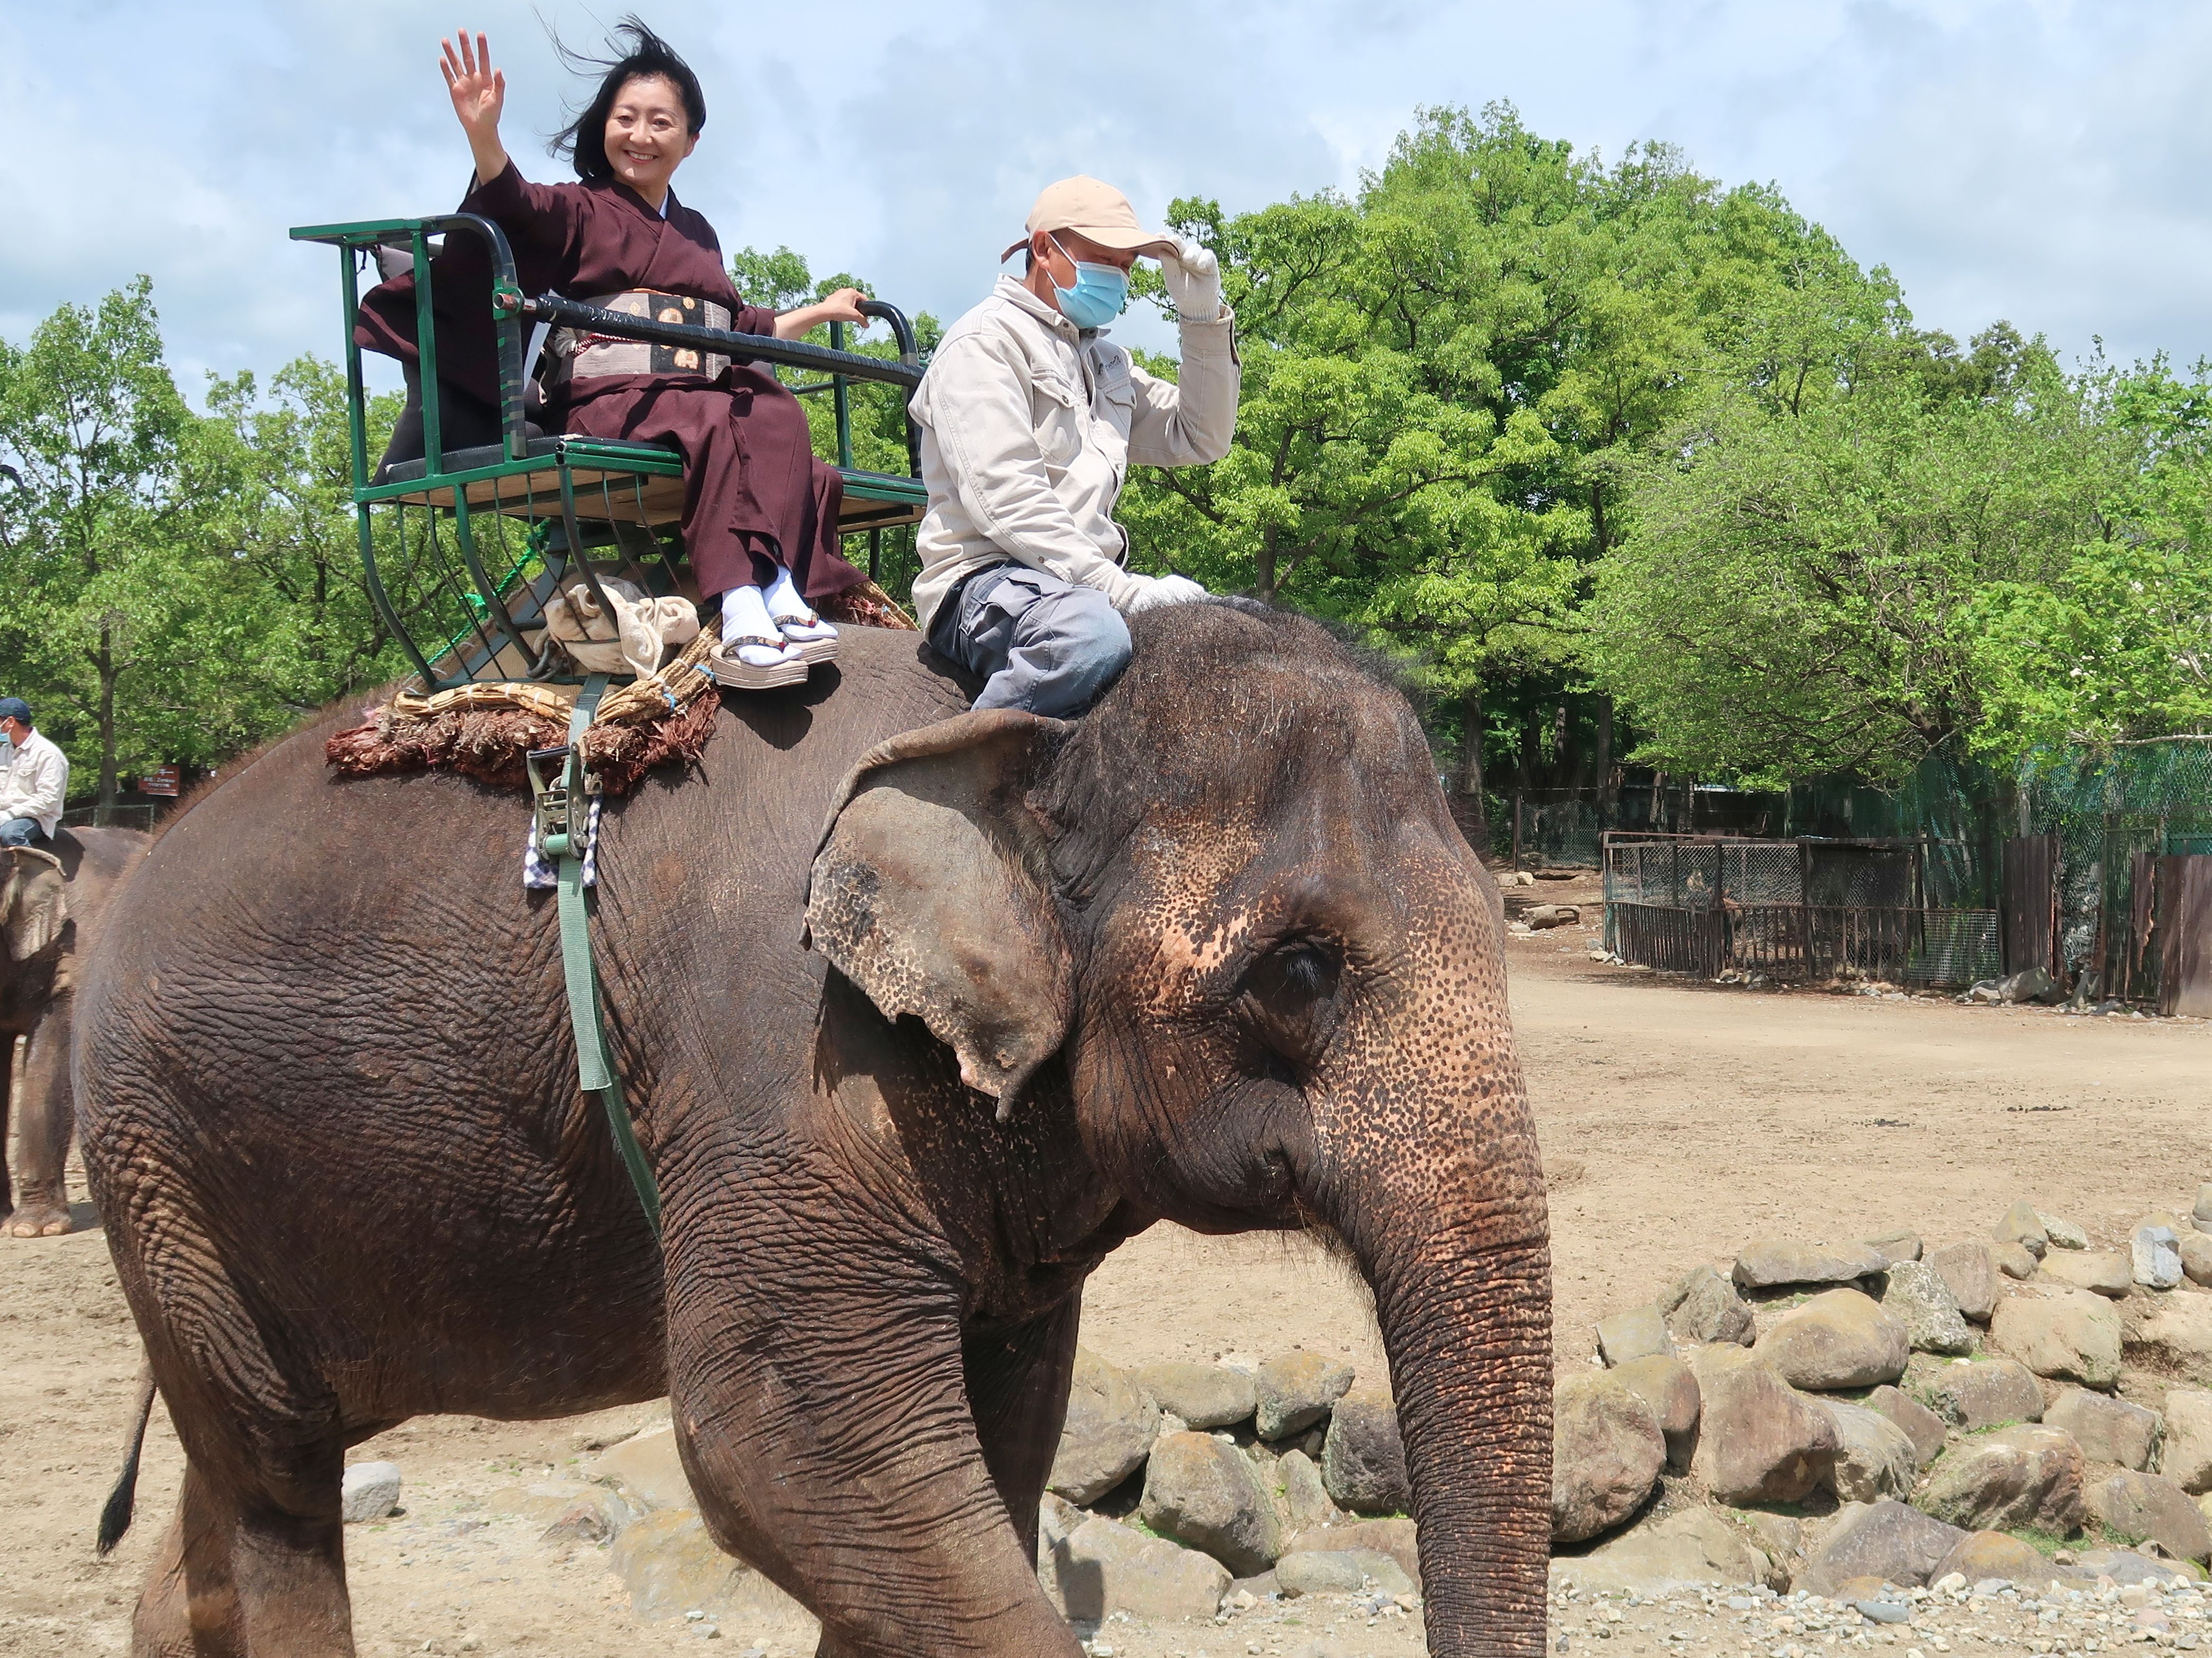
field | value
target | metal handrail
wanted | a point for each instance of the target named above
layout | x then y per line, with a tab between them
723	342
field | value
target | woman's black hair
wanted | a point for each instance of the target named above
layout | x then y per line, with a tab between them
647	56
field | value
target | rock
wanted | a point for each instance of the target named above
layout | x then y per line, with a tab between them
1704	1307
2156	1254
2062	1233
1305	1498
1685	1551
2178	1332
1670	1387
2185	1449
1782	1538
1111	1424
593	1516
1874	1457
370	1491
649	1470
1715	1360
671	1566
2147	1507
1340	1571
1985	1394
2027	1476
1100	1569
1295	1392
1606	1453
2124	1567
2102	1271
1775	1264
2196	1255
2201	1211
1638	1334
1980	1555
2072	1336
1918	1298
1538	917
2028	984
2022	1225
1921	1425
1897	1246
1759	1441
1363	1461
1840	1338
1205	1492
2016	1261
1395	1537
1883	1540
1969	1270
2107	1430
1203	1395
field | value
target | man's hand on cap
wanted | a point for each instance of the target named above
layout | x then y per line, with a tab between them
1193	275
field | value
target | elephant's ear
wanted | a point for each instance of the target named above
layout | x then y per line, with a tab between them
34	902
930	892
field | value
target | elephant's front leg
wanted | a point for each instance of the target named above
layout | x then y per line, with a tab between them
42	1133
822	1405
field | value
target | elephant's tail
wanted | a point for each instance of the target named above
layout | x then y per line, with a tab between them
115	1515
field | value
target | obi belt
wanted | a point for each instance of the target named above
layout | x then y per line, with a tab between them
576	353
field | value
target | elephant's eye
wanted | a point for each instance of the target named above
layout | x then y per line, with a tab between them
1294	978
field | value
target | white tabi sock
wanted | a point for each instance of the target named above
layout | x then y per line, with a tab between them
744	615
789	611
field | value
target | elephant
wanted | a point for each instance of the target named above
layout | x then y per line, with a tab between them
921	1011
51	904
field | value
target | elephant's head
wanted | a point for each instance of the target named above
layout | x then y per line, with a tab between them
1232	901
33	902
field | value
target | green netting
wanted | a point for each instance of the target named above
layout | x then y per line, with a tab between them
2106	805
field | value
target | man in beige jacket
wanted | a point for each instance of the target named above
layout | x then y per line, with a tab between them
1030	419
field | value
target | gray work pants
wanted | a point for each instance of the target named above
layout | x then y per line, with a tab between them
1041	645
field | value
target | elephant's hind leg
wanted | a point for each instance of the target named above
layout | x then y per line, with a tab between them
241	1579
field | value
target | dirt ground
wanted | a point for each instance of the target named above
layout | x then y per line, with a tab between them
1678	1121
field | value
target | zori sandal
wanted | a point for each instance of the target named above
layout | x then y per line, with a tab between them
815	639
730	668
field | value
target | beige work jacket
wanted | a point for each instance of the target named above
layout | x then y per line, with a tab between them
1029	427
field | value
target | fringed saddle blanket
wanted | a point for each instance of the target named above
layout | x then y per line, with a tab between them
485	731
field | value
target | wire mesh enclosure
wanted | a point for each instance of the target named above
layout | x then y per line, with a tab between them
1804	910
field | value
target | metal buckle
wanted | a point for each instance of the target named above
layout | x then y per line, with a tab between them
554	792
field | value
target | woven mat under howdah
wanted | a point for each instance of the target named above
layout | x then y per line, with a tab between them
485	731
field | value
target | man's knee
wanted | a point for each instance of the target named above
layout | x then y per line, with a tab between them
19	831
1088	643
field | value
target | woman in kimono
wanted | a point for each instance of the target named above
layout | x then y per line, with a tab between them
760	513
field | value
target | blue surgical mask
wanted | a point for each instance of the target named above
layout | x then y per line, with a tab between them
1099	294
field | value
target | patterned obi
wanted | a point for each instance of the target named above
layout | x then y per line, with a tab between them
576	354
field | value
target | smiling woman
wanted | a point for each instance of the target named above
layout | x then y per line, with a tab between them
760	513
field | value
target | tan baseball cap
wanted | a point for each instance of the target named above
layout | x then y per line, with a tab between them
1096	211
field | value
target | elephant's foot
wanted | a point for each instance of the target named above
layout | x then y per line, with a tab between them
38	1217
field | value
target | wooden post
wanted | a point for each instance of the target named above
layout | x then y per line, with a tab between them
1516	828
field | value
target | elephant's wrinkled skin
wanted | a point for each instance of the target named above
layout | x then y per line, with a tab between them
51	910
1216	947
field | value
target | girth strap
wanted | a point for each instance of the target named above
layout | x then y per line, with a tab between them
595	1070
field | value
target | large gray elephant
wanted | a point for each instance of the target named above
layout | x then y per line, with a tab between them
51	904
1214	952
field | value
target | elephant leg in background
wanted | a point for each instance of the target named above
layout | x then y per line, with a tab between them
42	1132
242	1579
7	1124
1018	1383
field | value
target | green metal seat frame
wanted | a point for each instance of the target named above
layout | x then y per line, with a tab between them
508	479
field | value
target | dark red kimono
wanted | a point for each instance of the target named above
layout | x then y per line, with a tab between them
754	495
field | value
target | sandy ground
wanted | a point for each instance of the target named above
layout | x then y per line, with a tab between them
1678	1121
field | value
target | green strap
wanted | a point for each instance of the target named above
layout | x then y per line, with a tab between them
595	1070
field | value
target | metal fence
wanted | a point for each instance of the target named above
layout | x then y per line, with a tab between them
109	817
1798	909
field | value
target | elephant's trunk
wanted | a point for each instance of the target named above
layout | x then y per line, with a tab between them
1463	1294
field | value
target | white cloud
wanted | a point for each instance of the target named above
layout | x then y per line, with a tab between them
2039	162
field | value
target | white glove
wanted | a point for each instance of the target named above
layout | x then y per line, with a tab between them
1193	281
1166	590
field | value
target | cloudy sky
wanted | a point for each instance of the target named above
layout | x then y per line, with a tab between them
2042	162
